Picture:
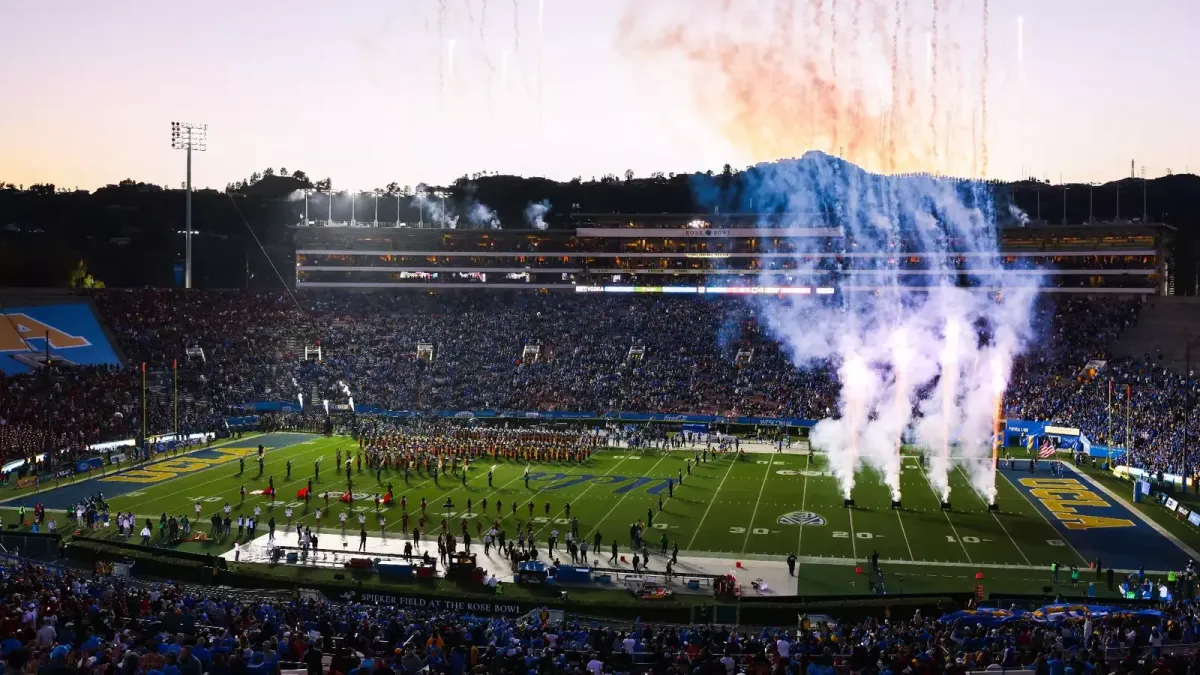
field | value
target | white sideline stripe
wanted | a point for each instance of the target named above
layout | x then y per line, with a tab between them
1191	553
817	560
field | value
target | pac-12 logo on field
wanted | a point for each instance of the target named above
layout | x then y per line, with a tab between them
801	518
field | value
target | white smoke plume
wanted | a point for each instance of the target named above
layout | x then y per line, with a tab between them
434	210
535	214
482	217
939	342
1018	215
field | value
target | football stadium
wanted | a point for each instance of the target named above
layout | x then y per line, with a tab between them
881	401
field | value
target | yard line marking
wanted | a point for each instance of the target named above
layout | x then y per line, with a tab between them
700	525
746	541
350	507
614	508
304	454
853	543
901	521
951	522
994	516
493	493
803	498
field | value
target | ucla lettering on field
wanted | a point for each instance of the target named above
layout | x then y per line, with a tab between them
1092	523
170	468
71	332
138	479
620	484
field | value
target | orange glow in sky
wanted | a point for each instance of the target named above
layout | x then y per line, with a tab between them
377	91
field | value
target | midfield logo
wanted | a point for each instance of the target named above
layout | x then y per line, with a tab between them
801	518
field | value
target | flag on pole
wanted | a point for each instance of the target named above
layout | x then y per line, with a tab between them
1047	449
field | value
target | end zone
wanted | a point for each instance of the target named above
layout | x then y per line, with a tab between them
1095	524
128	480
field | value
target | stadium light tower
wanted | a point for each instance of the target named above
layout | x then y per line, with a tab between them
187	136
442	194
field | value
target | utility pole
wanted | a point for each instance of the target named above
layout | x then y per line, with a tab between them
187	136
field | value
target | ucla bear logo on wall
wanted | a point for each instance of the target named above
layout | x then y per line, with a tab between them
801	518
63	332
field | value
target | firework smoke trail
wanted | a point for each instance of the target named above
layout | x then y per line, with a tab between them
889	350
441	36
483	24
894	116
760	74
833	39
1021	87
487	57
933	82
541	23
516	5
983	95
948	388
833	42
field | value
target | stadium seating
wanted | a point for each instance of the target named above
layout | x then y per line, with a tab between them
68	621
254	349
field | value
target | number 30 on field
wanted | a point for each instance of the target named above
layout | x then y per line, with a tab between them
742	530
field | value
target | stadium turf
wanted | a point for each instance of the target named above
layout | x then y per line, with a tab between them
767	505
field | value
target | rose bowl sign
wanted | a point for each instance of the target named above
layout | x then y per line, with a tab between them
433	604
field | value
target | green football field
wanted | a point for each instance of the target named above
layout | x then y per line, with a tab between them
768	505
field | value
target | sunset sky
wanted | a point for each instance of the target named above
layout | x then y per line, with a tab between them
372	91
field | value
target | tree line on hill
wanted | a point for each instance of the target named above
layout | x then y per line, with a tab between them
131	233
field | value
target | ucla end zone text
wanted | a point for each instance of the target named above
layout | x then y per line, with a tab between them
129	481
1094	524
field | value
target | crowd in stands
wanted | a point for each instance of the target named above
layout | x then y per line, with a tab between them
58	621
254	344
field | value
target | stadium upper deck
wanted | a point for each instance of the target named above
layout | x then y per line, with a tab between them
663	251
